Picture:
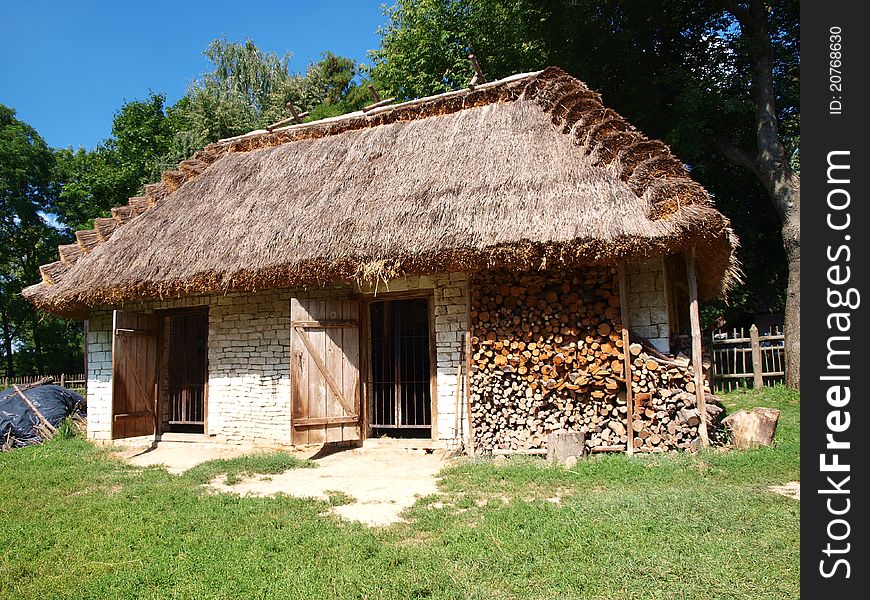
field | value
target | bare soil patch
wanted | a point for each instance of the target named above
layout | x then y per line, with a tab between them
382	481
179	457
792	489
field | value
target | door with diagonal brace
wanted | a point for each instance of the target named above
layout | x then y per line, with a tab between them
324	370
134	374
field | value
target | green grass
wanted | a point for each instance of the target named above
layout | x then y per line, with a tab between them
77	523
235	469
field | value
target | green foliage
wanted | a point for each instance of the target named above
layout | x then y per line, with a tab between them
68	429
245	90
27	239
91	183
677	69
425	44
248	89
702	526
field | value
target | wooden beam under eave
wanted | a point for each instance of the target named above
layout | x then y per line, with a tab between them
695	318
626	353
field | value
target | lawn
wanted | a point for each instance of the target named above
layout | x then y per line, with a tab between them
78	523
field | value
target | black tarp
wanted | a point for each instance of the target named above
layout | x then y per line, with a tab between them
17	420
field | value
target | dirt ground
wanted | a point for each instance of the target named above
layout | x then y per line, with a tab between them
792	489
381	481
178	458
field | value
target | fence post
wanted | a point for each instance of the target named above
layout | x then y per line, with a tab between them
757	379
711	374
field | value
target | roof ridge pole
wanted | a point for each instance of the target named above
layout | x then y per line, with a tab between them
478	76
694	317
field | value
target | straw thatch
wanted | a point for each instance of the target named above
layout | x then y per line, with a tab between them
523	173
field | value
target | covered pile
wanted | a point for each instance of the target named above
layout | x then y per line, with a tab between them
36	417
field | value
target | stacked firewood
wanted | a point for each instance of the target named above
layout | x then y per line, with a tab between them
547	354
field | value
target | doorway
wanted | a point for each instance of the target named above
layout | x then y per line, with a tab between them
187	372
400	378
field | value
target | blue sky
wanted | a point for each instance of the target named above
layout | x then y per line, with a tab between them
66	67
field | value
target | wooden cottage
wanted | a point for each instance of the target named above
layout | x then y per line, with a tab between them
498	247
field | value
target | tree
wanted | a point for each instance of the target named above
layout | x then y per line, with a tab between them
425	43
247	89
27	239
92	182
770	33
713	83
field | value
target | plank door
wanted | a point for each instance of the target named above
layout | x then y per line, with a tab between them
324	370
134	374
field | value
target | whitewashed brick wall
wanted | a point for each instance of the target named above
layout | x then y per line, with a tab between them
249	357
100	375
647	307
249	369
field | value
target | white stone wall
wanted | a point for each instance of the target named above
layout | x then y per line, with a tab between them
100	375
249	369
249	395
647	302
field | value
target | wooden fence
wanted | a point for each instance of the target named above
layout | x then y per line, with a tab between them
70	380
744	360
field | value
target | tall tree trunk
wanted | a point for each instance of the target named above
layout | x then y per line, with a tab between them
771	167
784	188
7	341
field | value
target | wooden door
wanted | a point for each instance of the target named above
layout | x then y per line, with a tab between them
134	374
324	370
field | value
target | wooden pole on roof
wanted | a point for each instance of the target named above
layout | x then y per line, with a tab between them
694	317
375	95
478	76
629	396
296	118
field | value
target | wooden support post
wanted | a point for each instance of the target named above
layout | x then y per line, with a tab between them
695	318
757	378
711	374
629	396
457	427
85	352
468	389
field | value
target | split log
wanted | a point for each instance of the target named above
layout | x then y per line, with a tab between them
755	428
562	445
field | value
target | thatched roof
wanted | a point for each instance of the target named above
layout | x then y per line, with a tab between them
528	172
